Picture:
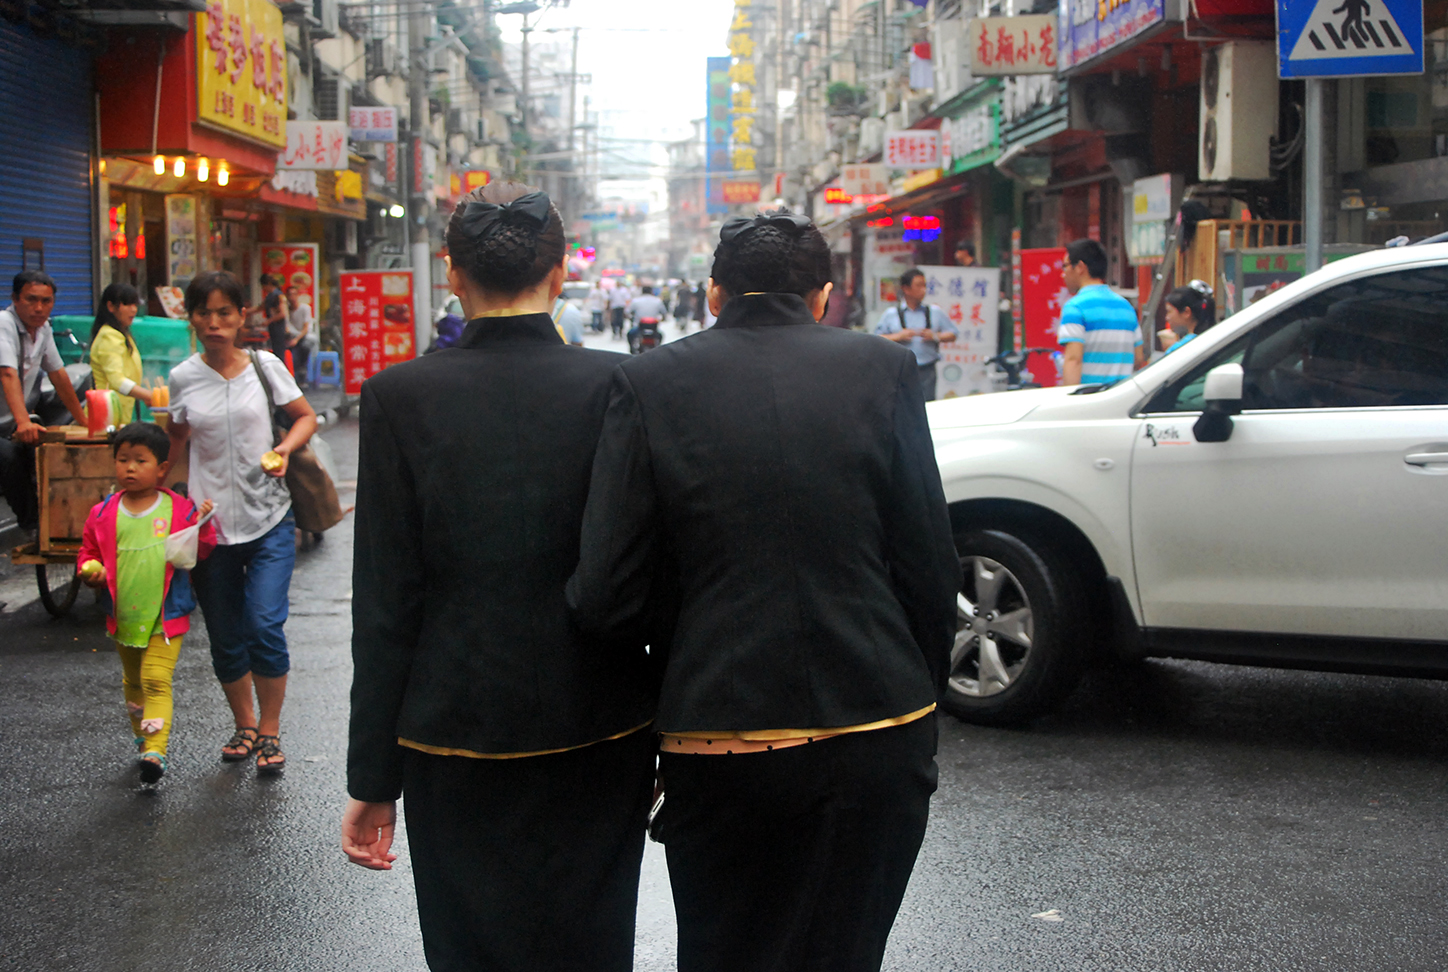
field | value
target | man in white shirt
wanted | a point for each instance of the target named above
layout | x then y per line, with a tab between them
27	349
596	303
923	326
618	299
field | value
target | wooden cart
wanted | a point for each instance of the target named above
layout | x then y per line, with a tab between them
74	473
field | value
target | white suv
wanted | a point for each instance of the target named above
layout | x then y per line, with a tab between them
1274	492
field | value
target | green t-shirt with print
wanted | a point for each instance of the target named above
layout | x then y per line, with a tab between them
141	571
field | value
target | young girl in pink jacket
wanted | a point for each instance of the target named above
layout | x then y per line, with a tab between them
148	601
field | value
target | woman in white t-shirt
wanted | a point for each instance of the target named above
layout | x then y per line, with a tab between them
219	402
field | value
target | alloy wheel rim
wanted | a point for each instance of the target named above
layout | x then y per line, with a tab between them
995	629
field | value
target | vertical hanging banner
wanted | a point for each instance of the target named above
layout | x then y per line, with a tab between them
181	240
376	323
745	154
241	69
970	297
716	146
1043	292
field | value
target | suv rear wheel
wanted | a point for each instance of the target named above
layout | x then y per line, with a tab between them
1022	630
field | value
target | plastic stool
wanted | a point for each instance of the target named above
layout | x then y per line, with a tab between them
331	375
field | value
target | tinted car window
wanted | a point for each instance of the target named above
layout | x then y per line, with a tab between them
1373	343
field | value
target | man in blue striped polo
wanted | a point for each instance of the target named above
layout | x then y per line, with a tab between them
1100	336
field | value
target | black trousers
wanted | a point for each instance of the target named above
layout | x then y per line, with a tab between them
531	864
616	320
796	860
17	481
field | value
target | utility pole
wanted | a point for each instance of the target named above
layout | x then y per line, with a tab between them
419	210
523	108
571	191
1312	175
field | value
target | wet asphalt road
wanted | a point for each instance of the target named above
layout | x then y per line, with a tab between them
1179	816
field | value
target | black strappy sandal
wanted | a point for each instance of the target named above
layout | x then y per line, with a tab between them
244	741
270	748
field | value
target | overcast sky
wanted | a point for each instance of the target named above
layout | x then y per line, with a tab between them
647	62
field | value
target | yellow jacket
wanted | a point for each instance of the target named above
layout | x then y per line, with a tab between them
116	366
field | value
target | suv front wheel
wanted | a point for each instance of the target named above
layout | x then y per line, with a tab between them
1022	629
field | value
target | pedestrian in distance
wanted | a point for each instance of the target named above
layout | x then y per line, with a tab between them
520	744
964	253
148	601
114	357
274	313
769	486
220	402
701	304
618	300
301	334
27	351
1190	310
1099	333
597	303
923	326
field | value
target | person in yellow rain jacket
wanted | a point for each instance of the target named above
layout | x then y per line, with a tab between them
114	358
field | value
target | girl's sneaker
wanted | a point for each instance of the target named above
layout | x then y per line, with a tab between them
153	767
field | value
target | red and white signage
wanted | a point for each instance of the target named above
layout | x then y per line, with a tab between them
1042	295
377	327
1024	44
911	149
870	179
320	145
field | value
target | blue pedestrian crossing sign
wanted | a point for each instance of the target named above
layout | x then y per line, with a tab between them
1349	38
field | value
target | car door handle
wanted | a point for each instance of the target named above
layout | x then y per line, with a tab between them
1426	458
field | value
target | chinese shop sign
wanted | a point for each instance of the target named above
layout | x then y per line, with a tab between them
970	297
372	124
868	179
912	149
317	145
741	192
744	157
377	328
241	69
716	132
294	265
1012	45
1089	28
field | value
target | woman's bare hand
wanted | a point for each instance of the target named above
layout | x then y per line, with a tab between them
367	830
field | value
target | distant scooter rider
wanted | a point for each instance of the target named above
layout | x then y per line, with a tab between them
645	306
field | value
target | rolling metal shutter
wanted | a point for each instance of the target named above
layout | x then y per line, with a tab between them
46	112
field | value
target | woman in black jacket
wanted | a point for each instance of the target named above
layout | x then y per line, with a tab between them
773	483
520	744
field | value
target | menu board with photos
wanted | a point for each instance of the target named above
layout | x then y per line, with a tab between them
377	323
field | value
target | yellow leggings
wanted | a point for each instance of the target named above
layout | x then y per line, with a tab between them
146	681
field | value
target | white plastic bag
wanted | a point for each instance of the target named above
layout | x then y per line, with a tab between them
182	546
323	451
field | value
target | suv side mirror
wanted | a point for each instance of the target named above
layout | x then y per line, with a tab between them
1223	394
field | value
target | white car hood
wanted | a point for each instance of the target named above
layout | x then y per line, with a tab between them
997	408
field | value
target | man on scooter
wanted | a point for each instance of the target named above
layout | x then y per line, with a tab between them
646	306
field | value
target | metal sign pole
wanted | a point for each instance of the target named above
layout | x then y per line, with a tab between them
1312	176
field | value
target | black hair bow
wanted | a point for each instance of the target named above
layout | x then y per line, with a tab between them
482	219
737	226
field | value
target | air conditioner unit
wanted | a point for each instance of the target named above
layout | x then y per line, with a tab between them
1238	111
324	19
